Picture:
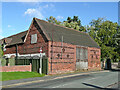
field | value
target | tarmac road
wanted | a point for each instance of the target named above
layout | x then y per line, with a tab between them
93	80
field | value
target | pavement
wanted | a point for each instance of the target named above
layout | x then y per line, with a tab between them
73	80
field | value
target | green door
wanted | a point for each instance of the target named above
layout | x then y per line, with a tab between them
35	65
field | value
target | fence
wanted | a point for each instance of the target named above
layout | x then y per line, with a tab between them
35	61
25	61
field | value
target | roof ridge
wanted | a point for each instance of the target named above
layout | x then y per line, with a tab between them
63	26
15	34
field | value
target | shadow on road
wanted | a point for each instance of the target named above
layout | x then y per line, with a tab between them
97	87
113	70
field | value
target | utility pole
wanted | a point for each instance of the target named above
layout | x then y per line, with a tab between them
52	51
62	51
62	47
40	69
16	53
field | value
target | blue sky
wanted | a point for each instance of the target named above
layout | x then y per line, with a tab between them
17	16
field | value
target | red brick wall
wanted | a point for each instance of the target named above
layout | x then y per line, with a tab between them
27	47
94	58
22	68
66	63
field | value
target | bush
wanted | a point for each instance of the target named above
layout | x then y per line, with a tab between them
3	61
12	61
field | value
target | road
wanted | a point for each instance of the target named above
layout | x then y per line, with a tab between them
93	80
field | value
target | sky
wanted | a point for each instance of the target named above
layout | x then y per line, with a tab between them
17	16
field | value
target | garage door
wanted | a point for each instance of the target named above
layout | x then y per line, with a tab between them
81	58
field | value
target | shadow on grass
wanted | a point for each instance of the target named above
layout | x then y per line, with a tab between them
97	87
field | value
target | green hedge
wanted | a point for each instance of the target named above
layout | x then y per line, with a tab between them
12	61
3	61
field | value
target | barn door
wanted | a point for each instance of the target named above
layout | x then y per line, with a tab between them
81	58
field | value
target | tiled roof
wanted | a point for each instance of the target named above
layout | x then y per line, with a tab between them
14	39
71	36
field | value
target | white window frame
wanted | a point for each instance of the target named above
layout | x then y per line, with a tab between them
33	38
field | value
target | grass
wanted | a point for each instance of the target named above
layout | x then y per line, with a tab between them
19	75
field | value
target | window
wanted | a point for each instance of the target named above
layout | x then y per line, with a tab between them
34	38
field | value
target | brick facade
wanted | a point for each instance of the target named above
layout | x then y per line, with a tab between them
94	58
27	47
64	61
16	68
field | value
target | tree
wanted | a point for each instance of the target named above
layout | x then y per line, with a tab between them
1	52
104	32
74	23
52	19
117	38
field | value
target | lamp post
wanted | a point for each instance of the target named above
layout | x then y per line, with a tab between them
40	69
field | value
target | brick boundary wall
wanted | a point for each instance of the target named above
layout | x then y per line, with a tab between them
16	68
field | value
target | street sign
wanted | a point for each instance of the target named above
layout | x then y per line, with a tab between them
41	50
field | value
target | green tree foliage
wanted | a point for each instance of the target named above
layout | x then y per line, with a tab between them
52	19
1	52
3	61
117	38
74	23
104	33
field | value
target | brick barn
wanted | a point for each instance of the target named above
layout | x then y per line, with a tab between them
67	49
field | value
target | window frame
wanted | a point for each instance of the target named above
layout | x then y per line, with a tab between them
33	36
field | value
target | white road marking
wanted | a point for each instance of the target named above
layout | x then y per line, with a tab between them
91	79
61	85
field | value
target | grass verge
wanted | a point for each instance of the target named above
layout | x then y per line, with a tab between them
19	75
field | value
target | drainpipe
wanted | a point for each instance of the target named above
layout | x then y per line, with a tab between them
16	51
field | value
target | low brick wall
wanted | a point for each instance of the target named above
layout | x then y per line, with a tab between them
16	68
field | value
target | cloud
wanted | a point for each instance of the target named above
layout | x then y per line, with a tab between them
59	17
86	5
46	6
32	12
39	11
9	26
